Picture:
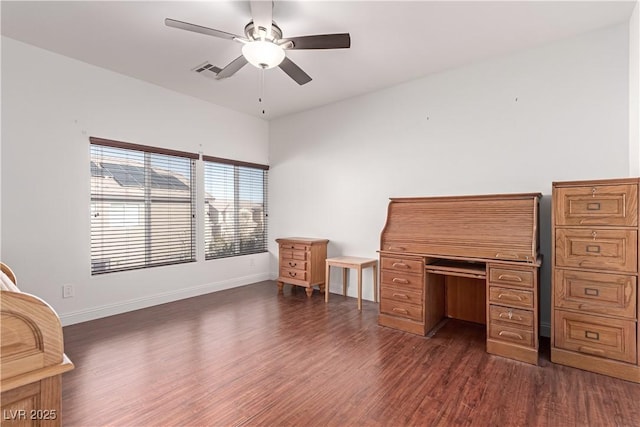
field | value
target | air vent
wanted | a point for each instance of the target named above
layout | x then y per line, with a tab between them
207	70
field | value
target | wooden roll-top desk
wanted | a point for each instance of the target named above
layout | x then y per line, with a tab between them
473	258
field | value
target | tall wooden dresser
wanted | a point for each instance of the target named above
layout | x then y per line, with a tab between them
595	274
473	258
301	262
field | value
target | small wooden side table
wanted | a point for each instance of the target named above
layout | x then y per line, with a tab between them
358	263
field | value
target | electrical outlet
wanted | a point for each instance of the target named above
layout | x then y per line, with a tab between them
67	291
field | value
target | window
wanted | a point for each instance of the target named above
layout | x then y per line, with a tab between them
235	207
124	214
142	206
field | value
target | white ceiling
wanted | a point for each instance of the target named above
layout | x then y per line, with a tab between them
391	41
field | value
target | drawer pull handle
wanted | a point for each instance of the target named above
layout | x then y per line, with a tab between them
510	335
512	277
592	335
401	296
511	297
593	192
510	256
593	221
400	310
292	274
399	280
292	264
591	292
510	316
594	234
593	249
593	206
586	349
397	248
399	264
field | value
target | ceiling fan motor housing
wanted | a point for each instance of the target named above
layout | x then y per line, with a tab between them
253	33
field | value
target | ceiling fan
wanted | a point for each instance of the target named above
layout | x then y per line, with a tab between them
263	44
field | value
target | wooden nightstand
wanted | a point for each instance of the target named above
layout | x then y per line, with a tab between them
302	262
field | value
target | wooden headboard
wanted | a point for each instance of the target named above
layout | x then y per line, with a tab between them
32	360
4	268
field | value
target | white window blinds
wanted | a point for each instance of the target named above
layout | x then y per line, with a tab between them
235	207
142	206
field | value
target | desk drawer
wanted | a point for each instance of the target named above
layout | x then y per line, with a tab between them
598	293
512	316
402	280
293	254
597	205
595	335
401	295
294	264
511	277
511	297
405	265
511	334
401	309
597	248
287	273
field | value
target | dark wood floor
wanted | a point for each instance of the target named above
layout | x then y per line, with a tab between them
248	356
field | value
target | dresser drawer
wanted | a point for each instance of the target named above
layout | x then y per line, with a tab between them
511	297
294	264
293	274
597	248
405	265
522	336
401	295
401	309
595	335
597	205
294	246
293	254
508	315
599	293
402	280
511	276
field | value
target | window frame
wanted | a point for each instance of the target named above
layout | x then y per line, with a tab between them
100	265
237	241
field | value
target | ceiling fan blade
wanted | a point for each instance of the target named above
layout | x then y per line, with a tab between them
295	72
262	14
232	68
199	29
320	41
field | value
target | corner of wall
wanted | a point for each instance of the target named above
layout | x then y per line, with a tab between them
634	91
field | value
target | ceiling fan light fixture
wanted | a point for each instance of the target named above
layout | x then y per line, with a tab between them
263	54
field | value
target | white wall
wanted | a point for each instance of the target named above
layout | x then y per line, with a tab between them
512	124
634	91
50	106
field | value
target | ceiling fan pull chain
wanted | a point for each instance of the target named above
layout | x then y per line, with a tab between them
261	85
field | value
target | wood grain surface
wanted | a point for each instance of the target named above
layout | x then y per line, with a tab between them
247	356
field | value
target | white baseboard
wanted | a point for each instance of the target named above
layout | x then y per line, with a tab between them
151	300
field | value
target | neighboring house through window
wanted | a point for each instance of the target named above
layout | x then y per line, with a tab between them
142	206
235	207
